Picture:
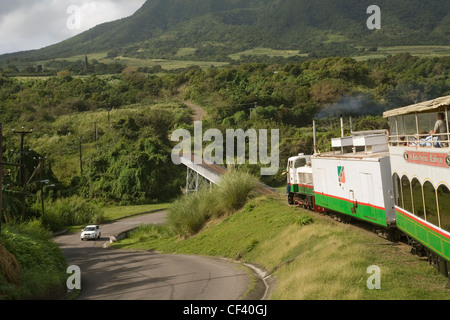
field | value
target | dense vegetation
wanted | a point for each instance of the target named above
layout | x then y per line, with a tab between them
31	264
106	138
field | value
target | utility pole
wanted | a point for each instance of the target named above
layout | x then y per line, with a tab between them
81	158
95	131
42	165
22	170
22	135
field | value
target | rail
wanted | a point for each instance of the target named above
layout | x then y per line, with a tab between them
420	140
212	173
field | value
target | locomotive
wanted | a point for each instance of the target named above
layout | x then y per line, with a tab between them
395	180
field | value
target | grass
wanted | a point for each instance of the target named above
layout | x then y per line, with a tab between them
312	256
190	213
31	265
267	52
166	64
114	212
420	51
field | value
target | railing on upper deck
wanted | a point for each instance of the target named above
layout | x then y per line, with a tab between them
420	140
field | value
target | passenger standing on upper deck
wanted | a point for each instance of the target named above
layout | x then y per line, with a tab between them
440	128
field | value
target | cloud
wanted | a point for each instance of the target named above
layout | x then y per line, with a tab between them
34	24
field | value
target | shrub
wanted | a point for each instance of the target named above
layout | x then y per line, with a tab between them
189	213
70	212
304	220
234	190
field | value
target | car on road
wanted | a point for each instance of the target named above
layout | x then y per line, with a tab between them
91	232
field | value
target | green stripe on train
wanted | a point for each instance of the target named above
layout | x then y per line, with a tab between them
295	188
363	212
429	238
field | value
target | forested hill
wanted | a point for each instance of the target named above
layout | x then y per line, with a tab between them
219	27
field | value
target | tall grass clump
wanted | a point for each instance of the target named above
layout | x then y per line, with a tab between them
71	212
189	213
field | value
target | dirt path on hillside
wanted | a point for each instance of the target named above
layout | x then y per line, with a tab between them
199	112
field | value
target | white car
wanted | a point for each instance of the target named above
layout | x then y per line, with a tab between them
91	232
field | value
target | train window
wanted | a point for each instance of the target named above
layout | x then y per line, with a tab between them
410	127
305	178
429	194
400	126
426	122
417	199
444	206
393	126
397	190
300	163
406	192
448	121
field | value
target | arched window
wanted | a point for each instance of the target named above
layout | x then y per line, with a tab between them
417	198
443	194
397	190
429	194
406	192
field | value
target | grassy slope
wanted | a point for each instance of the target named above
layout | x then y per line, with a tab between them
327	259
41	266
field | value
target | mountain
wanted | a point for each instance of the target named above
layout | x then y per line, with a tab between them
220	27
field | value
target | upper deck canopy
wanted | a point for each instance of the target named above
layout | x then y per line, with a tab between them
427	106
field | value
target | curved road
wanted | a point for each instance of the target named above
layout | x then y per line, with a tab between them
109	274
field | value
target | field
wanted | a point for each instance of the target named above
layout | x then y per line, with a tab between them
181	58
311	256
421	51
135	62
267	52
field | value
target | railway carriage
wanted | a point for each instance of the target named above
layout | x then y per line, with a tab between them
350	181
354	180
420	165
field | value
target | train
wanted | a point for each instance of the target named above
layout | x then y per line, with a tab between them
397	180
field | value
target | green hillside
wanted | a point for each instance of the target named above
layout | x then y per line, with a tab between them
219	28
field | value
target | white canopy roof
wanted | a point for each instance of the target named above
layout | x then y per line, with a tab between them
427	106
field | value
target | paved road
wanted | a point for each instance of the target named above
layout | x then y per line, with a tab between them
110	274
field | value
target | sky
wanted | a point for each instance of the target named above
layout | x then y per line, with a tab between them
34	24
